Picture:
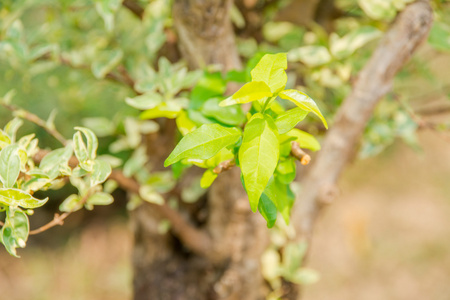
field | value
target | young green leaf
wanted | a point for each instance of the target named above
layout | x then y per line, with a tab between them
268	210
15	231
9	165
282	196
100	199
289	119
52	162
230	115
163	110
207	179
101	172
305	140
203	143
270	69
258	155
71	203
249	92
15	197
286	170
304	102
11	128
92	142
145	101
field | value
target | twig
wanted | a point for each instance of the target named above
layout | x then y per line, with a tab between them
36	120
1	223
299	154
193	238
224	166
59	219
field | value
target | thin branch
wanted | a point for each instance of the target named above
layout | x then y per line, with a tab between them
374	81
299	154
224	166
36	120
192	237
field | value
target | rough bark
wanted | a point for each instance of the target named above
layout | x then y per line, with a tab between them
373	82
165	267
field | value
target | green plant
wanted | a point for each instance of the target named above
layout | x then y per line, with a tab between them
263	149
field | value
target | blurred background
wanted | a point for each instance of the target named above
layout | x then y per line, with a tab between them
387	236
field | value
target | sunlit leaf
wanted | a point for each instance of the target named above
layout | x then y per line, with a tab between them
101	172
9	165
270	70
16	197
258	155
251	91
289	119
204	143
207	179
304	102
305	140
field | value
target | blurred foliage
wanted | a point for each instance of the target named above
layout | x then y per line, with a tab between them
96	64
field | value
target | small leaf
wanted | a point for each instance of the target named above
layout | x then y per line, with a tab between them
184	124
203	143
100	199
282	196
16	197
289	119
101	126
105	62
258	156
51	163
348	44
231	115
164	110
145	101
286	170
70	204
207	179
15	231
148	194
305	140
251	91
92	142
9	165
80	147
311	56
268	210
101	172
270	69
4	139
304	102
11	128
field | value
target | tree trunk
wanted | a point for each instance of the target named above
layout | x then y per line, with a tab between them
164	268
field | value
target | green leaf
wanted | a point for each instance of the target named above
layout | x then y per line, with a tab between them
80	147
52	162
105	62
4	139
270	69
348	44
146	101
207	179
92	142
107	9
203	143
305	140
184	124
258	155
231	115
100	199
282	196
101	172
289	119
16	197
148	193
311	56
304	102
11	128
9	165
286	170
15	231
251	91
71	204
164	110
268	210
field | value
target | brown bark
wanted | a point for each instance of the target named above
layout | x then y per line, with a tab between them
165	266
375	80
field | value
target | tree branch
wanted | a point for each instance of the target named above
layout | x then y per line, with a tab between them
299	154
374	81
36	120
